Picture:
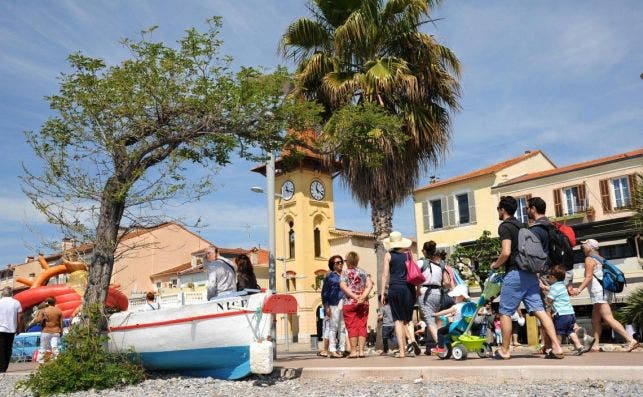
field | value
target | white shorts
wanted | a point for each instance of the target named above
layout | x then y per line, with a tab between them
598	295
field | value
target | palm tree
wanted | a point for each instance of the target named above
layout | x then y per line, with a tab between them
354	55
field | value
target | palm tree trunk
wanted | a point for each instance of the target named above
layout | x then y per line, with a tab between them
382	219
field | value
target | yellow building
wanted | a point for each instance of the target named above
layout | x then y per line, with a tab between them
460	208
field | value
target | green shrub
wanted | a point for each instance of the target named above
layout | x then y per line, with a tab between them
84	363
632	312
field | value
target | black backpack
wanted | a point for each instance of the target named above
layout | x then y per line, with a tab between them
560	250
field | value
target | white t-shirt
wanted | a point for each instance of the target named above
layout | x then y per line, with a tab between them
9	309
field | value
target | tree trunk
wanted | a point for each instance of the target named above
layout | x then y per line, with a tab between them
382	219
102	261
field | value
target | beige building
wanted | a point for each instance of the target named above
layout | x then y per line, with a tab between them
595	197
460	208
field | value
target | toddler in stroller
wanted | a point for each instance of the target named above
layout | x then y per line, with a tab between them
456	338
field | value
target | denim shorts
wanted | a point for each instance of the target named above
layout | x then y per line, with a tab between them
564	324
517	286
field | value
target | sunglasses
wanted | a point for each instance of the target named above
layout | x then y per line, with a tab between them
338	262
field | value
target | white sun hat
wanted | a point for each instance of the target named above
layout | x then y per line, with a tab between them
459	290
395	240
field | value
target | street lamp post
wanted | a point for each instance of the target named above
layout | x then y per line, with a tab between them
272	246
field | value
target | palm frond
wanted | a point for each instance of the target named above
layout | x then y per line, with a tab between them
303	38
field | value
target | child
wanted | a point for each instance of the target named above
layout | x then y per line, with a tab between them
497	329
387	325
564	317
460	295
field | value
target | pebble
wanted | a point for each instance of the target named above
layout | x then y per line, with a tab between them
275	386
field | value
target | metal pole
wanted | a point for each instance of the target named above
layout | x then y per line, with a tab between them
283	256
272	276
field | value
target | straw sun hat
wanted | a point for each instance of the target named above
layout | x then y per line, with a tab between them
395	240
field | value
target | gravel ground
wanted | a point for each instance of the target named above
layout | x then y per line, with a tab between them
274	386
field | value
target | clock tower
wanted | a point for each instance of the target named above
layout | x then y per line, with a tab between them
304	216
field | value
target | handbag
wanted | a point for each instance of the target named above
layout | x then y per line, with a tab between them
414	275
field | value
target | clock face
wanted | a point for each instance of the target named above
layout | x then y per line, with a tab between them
317	190
287	190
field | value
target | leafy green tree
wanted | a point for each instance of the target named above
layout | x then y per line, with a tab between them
479	255
124	138
388	90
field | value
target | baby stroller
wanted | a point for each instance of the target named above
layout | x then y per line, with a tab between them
459	340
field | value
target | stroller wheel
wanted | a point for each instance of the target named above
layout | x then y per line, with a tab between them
460	352
484	351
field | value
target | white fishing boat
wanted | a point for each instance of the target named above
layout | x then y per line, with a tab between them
207	339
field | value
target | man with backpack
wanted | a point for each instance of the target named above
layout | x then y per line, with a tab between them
559	252
522	256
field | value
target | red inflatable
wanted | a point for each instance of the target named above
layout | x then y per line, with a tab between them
67	300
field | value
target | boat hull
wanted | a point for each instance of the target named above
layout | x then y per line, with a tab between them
208	339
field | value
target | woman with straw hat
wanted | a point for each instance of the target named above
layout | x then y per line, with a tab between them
400	295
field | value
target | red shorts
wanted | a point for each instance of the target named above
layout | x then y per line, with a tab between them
355	317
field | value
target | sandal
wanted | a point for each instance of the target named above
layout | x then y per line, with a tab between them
553	356
498	356
398	355
336	355
322	353
352	355
633	345
361	355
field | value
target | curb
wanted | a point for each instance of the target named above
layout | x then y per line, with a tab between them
471	373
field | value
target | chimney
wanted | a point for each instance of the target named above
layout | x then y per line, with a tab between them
29	259
527	151
433	179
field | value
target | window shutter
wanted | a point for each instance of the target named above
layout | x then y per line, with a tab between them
633	181
445	212
558	204
472	207
426	216
451	209
582	197
605	195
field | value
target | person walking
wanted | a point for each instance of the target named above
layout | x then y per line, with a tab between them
401	295
518	285
52	331
332	297
388	325
356	284
10	310
601	299
564	315
430	291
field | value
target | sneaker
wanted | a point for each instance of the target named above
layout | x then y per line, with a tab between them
438	350
416	348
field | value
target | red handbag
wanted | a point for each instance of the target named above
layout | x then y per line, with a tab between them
414	275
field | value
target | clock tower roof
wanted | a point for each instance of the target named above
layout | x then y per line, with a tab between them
302	157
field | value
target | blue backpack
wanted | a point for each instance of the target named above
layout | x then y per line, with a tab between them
613	278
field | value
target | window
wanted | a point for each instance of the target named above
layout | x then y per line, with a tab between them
158	285
291	241
621	190
448	211
521	211
436	212
463	208
317	241
173	282
570	200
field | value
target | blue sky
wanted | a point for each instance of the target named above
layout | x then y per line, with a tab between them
562	77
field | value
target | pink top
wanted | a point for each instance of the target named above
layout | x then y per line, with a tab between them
355	279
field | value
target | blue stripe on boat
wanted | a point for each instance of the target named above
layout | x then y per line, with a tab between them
231	362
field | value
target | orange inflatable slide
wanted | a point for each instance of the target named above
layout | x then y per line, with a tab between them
68	296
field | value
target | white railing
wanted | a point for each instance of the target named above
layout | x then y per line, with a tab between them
175	299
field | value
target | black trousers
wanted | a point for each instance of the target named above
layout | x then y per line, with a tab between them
6	346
